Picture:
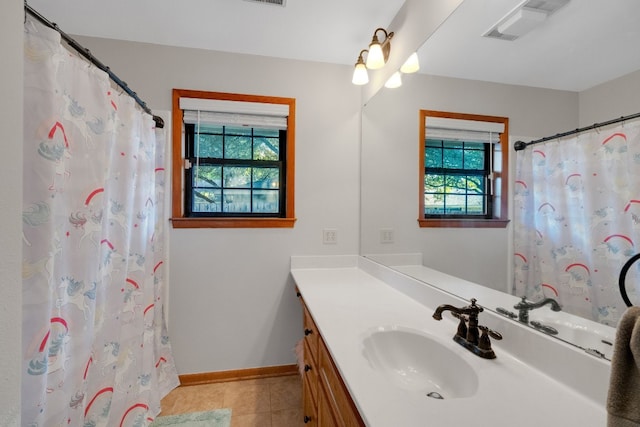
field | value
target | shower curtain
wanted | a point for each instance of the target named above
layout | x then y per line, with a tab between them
577	220
95	344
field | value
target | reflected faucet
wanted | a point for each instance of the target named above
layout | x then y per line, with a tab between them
469	337
525	306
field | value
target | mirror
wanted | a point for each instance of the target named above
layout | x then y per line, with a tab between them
390	183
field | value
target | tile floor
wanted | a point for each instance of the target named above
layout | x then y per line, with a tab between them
268	402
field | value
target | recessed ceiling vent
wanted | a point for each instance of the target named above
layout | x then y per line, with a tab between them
524	18
274	2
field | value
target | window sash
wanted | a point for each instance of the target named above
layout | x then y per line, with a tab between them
444	172
223	208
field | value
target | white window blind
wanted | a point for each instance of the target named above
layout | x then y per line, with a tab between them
463	130
234	113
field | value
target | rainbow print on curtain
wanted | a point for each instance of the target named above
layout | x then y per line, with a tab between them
95	344
577	220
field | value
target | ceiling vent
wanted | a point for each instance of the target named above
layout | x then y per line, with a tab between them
524	18
274	2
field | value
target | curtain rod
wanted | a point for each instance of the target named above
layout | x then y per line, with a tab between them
521	145
89	56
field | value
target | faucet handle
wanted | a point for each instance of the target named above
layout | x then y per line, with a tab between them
486	333
484	343
493	334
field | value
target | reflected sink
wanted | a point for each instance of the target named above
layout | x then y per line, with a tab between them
418	362
584	336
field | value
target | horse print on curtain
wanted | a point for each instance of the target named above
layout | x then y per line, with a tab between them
95	345
577	220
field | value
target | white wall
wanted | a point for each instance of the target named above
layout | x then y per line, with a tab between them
232	302
224	314
617	98
390	168
11	18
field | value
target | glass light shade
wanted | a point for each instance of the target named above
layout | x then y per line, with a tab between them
394	81
360	75
411	65
375	57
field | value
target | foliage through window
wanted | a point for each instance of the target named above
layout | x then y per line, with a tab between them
461	170
233	160
456	179
235	171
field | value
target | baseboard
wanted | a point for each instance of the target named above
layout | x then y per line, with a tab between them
238	374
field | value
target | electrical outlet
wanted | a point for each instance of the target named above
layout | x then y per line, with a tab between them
329	236
386	235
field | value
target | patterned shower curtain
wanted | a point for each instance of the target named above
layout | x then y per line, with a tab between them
95	345
577	221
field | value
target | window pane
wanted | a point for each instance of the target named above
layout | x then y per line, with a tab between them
268	133
455	184
265	201
205	200
453	144
266	178
266	148
434	183
454	204
207	176
452	159
433	204
433	143
237	201
475	205
238	130
237	147
474	159
208	146
433	157
475	184
237	177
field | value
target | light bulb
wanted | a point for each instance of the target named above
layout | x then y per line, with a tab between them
394	81
360	75
375	57
411	65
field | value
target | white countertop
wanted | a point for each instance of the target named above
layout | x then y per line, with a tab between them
347	304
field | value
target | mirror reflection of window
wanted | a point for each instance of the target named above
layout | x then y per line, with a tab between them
462	164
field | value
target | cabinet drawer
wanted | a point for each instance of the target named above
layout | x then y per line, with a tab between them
310	413
345	411
311	334
310	375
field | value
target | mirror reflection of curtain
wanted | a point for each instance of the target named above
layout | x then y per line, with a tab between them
95	343
577	220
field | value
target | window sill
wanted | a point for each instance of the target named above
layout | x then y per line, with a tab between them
233	222
463	223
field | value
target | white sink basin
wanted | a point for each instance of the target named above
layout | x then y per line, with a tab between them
418	362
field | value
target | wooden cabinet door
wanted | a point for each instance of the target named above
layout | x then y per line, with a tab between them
309	412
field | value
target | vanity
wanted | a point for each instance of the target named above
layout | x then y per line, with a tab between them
375	356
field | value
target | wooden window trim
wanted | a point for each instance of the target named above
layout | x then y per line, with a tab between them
500	214
178	218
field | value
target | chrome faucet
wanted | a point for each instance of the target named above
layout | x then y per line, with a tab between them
469	336
524	307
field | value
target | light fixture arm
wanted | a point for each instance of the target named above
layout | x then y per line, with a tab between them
360	58
386	43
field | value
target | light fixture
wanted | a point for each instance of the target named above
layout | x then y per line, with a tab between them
394	81
379	52
411	65
360	75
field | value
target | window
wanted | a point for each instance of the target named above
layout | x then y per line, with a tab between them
233	160
461	170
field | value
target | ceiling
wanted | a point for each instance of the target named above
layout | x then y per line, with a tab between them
585	43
